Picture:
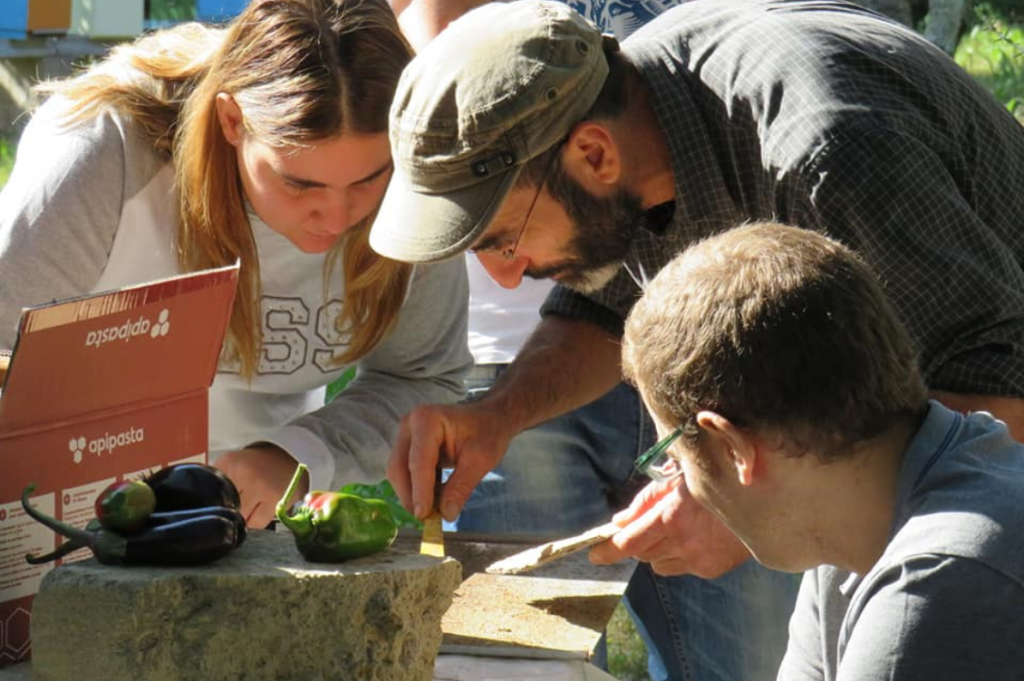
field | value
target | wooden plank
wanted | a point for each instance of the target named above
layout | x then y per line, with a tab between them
557	611
529	616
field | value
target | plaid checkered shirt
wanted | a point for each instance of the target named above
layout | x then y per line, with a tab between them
826	116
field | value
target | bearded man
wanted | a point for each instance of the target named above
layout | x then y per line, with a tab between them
521	134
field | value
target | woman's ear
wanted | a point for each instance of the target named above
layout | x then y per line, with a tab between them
738	448
592	157
230	116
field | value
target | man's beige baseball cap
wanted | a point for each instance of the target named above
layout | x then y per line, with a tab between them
498	87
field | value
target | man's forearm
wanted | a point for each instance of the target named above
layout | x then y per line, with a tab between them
422	20
565	364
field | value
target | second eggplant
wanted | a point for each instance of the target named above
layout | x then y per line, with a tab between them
192	537
192	485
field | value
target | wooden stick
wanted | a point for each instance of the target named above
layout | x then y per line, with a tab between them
524	561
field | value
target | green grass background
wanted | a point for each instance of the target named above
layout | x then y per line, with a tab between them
992	51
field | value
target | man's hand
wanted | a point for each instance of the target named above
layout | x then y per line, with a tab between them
666	527
469	438
565	364
261	475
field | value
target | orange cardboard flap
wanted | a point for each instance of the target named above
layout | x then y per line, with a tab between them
101	388
127	347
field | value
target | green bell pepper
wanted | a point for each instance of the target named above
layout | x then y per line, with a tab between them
330	527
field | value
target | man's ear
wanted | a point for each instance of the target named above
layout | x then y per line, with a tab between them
592	157
230	116
738	447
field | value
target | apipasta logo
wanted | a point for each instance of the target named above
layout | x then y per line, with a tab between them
105	444
129	330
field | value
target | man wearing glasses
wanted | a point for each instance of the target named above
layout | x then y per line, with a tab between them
719	111
815	462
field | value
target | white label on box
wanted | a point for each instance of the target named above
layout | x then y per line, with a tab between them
78	507
108	443
21	535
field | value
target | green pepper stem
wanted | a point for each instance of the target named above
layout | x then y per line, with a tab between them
299	525
63	550
82	537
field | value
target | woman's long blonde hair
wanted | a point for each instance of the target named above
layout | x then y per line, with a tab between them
302	71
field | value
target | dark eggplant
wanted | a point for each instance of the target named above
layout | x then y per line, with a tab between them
167	517
186	542
192	485
191	541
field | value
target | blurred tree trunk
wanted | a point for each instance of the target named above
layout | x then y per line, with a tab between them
945	17
894	9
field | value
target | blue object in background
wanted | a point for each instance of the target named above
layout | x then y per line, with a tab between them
13	19
216	11
20	19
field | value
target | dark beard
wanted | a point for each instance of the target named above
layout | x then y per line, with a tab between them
603	230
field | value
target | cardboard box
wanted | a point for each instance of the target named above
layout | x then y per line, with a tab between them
101	388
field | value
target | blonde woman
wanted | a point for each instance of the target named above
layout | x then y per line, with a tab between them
265	141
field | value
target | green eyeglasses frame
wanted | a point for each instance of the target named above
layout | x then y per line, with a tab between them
652	462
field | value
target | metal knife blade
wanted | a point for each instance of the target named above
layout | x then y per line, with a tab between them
531	558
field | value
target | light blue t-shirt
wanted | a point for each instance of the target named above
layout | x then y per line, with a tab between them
946	599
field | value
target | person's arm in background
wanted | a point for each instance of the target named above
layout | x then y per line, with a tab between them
422	361
422	20
59	213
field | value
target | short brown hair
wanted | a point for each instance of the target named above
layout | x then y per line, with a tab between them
778	328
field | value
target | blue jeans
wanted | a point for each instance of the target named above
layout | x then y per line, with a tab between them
572	473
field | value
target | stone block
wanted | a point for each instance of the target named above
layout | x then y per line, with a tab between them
262	612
